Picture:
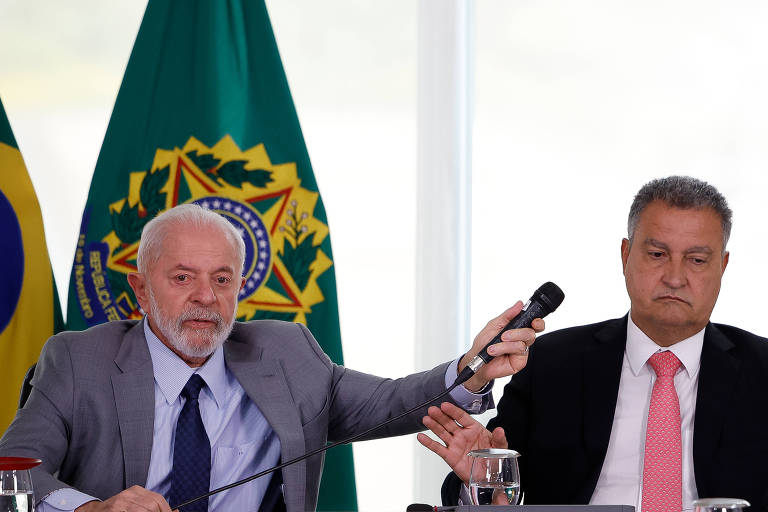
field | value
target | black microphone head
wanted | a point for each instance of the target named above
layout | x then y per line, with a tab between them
419	507
549	295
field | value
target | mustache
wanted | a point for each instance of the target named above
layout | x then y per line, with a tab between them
198	313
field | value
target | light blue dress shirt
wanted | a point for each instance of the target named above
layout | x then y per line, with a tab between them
242	441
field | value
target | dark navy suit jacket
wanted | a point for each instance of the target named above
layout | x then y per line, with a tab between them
558	413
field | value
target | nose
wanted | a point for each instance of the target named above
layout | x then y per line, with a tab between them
203	293
675	274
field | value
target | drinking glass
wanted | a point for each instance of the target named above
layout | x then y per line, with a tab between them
16	484
495	477
719	504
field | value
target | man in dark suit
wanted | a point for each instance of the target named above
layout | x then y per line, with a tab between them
583	413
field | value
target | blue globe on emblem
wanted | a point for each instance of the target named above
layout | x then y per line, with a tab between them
258	250
12	248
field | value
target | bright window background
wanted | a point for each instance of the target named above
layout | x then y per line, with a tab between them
352	70
577	105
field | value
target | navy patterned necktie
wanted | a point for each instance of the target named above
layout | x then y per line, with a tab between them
191	473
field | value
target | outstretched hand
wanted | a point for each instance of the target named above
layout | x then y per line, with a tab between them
461	434
509	356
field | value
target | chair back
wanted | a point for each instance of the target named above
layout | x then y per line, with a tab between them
26	386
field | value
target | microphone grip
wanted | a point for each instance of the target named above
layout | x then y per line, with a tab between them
525	318
533	309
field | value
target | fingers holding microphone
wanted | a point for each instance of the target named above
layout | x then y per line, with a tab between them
517	343
508	355
501	348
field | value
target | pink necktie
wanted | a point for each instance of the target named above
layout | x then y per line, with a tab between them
662	466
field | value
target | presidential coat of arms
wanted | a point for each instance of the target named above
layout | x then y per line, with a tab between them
264	201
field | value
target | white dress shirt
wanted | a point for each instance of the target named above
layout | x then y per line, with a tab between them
620	481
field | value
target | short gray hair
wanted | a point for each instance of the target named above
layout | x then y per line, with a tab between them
681	192
156	230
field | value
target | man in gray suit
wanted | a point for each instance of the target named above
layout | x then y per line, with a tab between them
107	404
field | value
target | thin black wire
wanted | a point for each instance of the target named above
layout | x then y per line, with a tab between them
460	379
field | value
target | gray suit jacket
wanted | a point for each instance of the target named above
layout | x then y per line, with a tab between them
90	415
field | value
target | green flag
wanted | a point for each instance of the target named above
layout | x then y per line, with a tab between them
204	115
29	305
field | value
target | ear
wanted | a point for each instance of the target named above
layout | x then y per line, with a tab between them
242	283
625	246
725	262
138	282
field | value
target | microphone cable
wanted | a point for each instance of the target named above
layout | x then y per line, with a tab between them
321	449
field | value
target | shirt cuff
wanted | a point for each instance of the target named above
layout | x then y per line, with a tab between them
464	398
63	500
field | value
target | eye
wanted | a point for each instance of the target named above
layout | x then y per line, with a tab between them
698	261
656	254
181	278
222	280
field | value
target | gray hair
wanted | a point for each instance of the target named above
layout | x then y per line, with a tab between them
156	230
681	192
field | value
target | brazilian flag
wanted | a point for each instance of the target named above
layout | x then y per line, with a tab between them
29	305
204	115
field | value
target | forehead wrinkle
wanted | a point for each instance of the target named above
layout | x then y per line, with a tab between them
655	243
699	248
661	245
223	268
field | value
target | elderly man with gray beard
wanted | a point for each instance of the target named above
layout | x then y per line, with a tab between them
131	415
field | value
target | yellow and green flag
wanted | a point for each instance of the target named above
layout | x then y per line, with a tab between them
204	115
29	306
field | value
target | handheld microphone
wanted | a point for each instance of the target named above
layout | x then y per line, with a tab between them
544	300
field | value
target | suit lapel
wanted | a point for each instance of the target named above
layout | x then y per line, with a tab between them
135	411
717	381
265	383
602	373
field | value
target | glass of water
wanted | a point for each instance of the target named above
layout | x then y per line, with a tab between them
16	484
495	477
720	505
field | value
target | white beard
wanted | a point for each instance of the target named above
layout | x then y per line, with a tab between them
173	329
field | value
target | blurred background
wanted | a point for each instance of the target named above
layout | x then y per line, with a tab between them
574	106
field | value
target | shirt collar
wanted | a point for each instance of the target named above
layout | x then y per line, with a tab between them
171	373
640	347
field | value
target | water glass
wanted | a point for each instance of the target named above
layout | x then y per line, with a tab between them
720	504
16	494
495	477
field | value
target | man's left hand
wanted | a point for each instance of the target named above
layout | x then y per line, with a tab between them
509	356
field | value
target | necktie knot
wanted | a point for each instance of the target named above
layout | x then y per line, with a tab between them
665	364
192	388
